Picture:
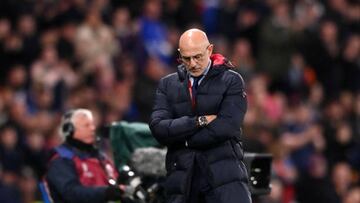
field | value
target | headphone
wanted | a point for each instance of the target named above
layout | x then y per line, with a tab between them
68	127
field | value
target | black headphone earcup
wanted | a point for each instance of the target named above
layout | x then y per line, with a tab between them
68	129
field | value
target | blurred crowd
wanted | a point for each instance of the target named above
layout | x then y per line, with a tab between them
299	58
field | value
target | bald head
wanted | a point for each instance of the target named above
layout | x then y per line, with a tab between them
195	51
193	38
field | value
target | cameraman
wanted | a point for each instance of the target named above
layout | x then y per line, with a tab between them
77	171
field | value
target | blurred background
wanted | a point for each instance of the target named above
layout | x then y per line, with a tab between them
299	58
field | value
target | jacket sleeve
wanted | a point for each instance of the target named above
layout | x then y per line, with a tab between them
166	129
229	119
63	180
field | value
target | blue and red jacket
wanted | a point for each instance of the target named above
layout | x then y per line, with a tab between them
79	173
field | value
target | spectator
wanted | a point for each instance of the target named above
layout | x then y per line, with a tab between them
353	196
316	186
94	40
11	157
277	43
9	193
153	32
341	179
243	59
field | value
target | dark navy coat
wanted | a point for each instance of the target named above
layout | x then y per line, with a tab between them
173	123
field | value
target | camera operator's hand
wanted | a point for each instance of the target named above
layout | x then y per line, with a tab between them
122	192
133	192
127	190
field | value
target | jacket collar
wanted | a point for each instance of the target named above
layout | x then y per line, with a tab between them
218	64
81	146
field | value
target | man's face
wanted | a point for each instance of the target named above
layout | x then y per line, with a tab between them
196	58
84	128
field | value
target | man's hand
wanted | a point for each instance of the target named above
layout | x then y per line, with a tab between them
210	118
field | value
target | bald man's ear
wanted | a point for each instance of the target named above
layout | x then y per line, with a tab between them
210	49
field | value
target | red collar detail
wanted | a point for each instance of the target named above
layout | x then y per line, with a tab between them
217	59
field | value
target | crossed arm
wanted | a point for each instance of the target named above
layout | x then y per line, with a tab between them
221	127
